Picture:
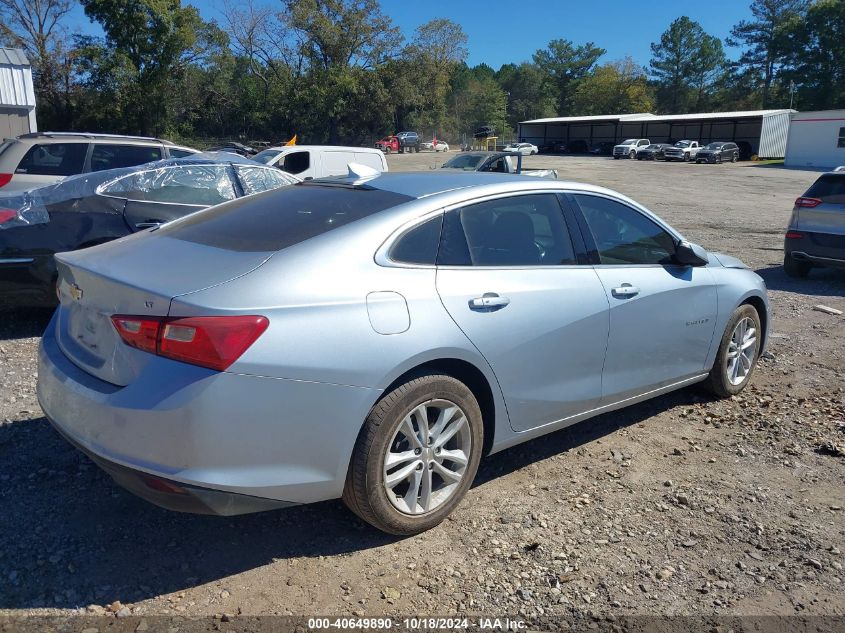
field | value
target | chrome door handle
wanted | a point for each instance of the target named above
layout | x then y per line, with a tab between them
625	290
147	225
489	302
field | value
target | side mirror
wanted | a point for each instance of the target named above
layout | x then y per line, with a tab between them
689	254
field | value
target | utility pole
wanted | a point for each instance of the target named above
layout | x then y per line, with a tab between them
791	92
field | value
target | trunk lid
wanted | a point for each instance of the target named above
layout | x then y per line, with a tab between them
136	275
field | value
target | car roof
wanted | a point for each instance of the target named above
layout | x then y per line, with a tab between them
325	148
424	184
88	136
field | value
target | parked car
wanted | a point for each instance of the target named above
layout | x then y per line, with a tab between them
655	151
629	147
572	147
496	162
234	147
441	146
484	131
354	345
408	142
526	149
816	233
718	152
318	161
683	151
90	209
43	158
603	149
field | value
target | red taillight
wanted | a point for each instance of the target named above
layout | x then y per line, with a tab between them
807	203
140	332
5	179
214	341
7	214
794	235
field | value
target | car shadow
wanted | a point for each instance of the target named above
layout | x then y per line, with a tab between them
70	537
821	282
18	323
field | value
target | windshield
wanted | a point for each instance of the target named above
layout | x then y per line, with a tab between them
714	146
266	156
464	161
629	141
653	147
682	144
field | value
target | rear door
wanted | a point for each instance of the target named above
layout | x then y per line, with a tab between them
156	196
509	276
662	315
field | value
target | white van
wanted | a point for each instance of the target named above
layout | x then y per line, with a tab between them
318	161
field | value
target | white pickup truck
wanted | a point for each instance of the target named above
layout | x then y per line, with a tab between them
682	150
629	148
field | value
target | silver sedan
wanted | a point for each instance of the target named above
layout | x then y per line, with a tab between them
371	337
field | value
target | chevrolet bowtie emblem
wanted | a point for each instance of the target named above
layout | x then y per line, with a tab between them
75	292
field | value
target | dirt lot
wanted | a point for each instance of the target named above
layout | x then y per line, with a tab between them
681	505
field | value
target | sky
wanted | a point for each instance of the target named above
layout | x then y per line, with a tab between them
505	31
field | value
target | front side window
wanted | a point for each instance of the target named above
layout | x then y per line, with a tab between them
54	159
623	235
516	231
841	142
296	162
114	156
258	179
200	185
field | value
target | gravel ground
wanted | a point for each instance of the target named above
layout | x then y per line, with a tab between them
678	506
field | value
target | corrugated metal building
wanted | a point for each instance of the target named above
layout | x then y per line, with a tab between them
761	132
816	139
17	95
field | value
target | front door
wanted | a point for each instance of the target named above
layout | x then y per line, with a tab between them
662	315
507	275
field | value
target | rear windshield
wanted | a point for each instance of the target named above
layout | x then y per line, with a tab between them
282	218
829	188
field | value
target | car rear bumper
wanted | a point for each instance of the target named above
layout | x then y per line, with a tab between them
820	249
195	440
709	158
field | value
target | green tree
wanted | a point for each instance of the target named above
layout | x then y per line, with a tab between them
615	88
563	64
685	63
762	40
529	97
815	45
147	48
36	26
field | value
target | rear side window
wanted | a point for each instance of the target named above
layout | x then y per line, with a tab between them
419	245
54	159
281	218
526	230
180	153
200	185
841	142
113	156
828	188
258	179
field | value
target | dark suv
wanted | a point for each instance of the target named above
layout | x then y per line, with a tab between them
816	233
718	152
408	141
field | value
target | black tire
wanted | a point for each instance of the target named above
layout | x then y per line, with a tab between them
794	268
735	157
364	492
615	158
632	154
718	382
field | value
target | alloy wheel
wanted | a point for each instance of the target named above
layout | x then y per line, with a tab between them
742	351
427	457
